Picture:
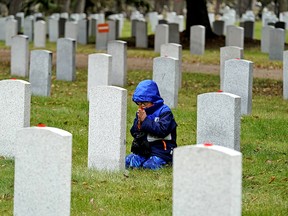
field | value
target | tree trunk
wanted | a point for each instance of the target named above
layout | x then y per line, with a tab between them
283	5
197	14
80	7
15	6
217	7
118	6
178	6
64	5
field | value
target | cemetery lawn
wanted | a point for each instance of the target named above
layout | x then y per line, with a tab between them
144	192
264	136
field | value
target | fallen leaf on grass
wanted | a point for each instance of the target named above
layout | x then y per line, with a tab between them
272	179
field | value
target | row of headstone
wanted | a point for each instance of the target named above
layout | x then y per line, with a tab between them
40	67
106	151
107	154
273	42
155	19
43	155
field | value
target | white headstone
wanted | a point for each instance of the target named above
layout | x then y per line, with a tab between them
175	51
166	75
43	165
265	38
71	30
226	53
11	29
218	119
161	36
207	180
53	29
277	44
40	34
99	70
15	98
234	36
107	128
238	80
66	61
20	56
118	50
40	72
197	40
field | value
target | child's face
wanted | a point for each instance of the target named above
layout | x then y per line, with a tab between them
144	104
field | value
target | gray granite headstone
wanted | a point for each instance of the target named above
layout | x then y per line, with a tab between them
166	75
29	27
43	167
226	53
161	36
118	50
174	35
277	44
15	99
141	34
40	34
11	29
107	133
238	80
234	36
66	59
207	180
92	26
248	27
62	21
175	51
265	38
285	75
197	40
20	56
218	27
218	119
71	30
133	27
40	72
99	70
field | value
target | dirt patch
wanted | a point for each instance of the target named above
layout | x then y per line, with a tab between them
134	63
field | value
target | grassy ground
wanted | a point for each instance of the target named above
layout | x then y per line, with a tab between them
144	192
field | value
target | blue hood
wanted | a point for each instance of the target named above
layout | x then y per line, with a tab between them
147	90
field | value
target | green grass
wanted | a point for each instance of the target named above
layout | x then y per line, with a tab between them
143	192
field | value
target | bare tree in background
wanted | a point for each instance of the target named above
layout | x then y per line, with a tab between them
15	6
64	5
80	6
178	6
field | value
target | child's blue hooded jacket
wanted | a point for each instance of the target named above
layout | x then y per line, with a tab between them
159	124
